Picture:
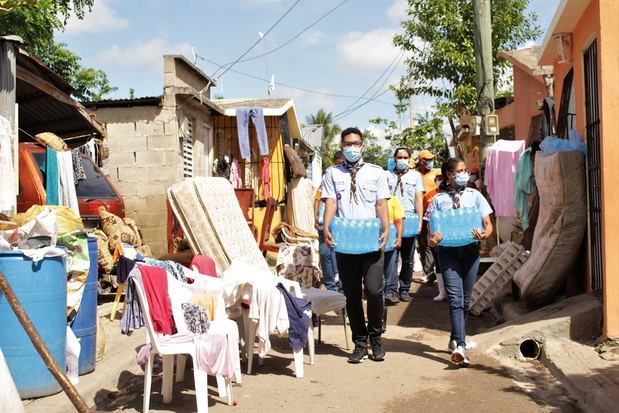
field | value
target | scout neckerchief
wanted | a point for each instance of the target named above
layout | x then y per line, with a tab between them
455	194
353	168
400	173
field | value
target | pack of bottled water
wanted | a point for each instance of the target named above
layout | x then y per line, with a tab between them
456	225
411	226
359	236
393	234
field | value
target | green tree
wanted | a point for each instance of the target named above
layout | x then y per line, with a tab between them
428	133
439	35
374	152
36	22
330	130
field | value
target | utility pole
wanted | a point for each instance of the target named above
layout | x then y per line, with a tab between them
483	60
411	112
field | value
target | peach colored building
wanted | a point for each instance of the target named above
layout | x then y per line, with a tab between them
519	119
582	43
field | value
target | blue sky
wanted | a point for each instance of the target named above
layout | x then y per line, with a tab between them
343	54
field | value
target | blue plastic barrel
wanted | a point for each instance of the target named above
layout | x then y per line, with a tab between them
85	323
42	290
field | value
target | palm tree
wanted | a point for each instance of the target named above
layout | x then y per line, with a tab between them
330	129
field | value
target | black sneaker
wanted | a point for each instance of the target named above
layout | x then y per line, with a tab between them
405	297
431	278
359	354
378	352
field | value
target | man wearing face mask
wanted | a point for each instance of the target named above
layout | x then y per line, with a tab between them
359	190
407	185
425	166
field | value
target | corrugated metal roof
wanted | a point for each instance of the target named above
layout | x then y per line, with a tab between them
113	103
314	134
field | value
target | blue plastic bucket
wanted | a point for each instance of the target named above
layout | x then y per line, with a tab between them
84	325
42	290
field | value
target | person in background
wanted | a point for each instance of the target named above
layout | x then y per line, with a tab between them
475	179
390	267
459	264
407	186
359	190
327	255
425	166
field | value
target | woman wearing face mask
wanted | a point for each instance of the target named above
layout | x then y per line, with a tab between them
459	265
407	185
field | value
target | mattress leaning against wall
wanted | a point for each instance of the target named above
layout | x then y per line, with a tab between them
560	229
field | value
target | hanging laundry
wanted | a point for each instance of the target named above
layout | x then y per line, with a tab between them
243	115
265	178
235	176
299	311
66	184
501	162
156	290
78	167
51	177
8	194
204	265
524	186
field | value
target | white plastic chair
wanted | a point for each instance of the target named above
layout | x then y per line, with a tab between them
251	327
168	351
179	293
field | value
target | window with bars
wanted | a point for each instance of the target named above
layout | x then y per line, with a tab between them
187	149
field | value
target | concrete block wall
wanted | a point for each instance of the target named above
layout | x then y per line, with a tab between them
144	160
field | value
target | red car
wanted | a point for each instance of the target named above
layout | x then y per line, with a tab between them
94	191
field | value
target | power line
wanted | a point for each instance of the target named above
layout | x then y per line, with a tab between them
294	37
338	95
350	109
259	39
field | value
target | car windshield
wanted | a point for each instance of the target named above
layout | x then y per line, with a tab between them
94	186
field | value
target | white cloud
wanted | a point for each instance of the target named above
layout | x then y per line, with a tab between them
367	50
398	10
147	55
101	19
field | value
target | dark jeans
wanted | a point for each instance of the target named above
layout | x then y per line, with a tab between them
356	272
390	269
459	265
407	253
328	263
427	254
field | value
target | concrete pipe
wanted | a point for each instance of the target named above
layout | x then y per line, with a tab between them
530	349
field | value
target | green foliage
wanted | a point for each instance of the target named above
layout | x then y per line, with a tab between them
331	131
36	22
439	34
428	133
374	152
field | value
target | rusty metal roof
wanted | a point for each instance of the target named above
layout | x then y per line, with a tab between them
46	105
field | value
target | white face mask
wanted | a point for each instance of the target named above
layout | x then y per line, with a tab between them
401	164
462	178
352	153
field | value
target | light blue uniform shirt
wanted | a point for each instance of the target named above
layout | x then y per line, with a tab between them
470	198
411	183
371	186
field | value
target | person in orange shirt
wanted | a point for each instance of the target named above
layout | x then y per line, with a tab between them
425	166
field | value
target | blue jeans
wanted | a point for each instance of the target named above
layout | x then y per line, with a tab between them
459	267
390	269
242	126
407	253
328	263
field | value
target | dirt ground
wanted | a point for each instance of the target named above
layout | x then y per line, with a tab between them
416	375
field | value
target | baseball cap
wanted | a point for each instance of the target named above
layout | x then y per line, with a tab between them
425	154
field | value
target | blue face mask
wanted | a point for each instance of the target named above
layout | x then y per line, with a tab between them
352	153
401	164
462	178
429	164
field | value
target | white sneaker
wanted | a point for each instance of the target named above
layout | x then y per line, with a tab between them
439	298
453	344
459	357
